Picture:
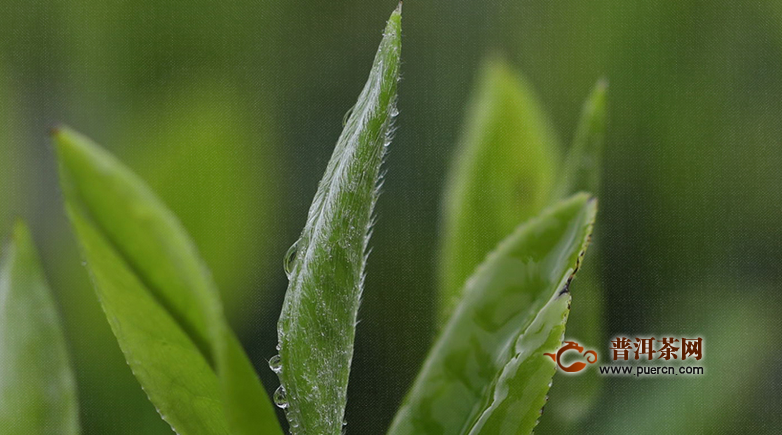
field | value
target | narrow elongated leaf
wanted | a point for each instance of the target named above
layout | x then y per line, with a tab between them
37	386
159	298
503	174
571	397
583	163
326	265
487	374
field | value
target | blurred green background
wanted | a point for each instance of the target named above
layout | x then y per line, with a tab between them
231	110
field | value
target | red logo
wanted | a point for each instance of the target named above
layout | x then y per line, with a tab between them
578	365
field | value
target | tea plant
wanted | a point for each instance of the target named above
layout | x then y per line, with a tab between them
486	373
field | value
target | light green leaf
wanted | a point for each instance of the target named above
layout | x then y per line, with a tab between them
37	386
503	174
583	163
223	195
487	374
326	265
159	298
572	397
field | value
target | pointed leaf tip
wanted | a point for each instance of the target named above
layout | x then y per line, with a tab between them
20	231
583	164
317	325
487	372
503	174
159	298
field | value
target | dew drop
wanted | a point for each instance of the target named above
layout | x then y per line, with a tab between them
275	363
290	258
280	398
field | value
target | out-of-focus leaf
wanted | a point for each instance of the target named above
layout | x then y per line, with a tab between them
581	172
37	387
739	324
326	265
571	397
159	298
503	174
487	374
11	163
219	180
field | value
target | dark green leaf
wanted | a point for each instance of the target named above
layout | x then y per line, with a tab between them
159	298
326	265
487	373
503	174
37	386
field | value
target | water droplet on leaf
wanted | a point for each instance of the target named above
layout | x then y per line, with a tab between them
290	258
280	398
275	363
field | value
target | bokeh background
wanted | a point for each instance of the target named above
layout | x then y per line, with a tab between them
230	110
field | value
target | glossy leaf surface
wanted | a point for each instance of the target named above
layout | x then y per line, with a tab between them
37	386
487	374
326	265
159	298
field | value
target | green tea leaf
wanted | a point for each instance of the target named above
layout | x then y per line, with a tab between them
159	298
326	265
571	397
581	172
223	195
487	374
503	174
37	386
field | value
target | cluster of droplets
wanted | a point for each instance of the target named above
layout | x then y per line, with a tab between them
281	395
